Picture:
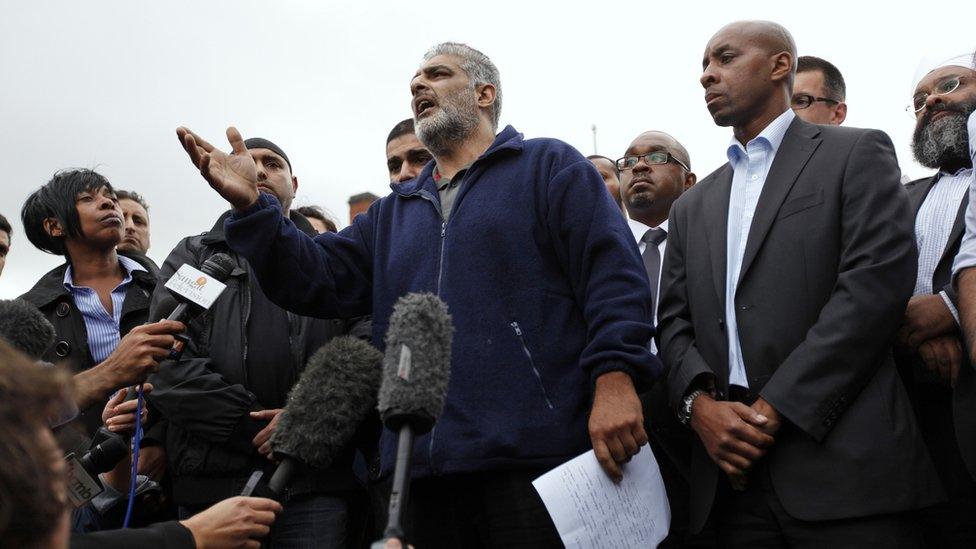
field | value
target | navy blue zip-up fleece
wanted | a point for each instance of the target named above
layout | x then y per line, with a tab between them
539	272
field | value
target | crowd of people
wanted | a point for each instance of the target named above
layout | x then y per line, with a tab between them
793	335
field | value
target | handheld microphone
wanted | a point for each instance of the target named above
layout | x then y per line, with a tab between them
25	328
334	394
191	292
416	371
107	450
194	291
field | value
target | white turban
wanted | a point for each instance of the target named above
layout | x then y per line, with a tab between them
931	63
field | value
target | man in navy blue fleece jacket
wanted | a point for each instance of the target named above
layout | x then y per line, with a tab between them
548	294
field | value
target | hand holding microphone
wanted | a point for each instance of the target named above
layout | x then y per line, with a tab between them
333	396
139	352
262	440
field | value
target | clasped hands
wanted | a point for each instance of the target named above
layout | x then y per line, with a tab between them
735	436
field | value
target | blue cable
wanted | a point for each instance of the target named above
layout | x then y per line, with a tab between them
136	440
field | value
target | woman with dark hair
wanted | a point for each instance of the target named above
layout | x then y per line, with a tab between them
98	301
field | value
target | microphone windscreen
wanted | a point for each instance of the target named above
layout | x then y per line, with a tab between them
219	266
417	364
334	394
25	328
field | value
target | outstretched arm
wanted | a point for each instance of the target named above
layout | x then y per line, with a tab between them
328	277
234	176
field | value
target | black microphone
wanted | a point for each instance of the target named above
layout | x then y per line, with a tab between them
335	393
416	370
191	291
25	328
107	450
186	297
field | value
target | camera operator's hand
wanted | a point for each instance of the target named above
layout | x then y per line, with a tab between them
232	523
137	355
119	416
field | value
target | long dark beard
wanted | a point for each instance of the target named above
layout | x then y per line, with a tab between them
943	142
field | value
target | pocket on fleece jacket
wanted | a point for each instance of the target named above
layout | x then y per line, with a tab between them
520	336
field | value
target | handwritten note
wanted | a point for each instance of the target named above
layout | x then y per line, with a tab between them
589	510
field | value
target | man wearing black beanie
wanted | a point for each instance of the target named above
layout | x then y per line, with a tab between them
221	401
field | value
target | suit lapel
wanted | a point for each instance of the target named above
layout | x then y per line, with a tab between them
798	145
919	191
716	217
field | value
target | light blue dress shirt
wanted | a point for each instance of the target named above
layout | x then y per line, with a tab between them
101	326
750	166
933	225
967	250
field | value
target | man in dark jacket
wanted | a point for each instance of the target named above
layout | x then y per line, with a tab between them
547	292
932	359
222	399
785	275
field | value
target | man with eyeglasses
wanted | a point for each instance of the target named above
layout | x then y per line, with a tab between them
654	171
818	92
943	383
786	273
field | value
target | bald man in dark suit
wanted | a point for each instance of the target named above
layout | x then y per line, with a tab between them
786	275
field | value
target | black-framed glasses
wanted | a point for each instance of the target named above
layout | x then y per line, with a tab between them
944	87
801	101
651	159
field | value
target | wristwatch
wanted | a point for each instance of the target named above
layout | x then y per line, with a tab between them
684	411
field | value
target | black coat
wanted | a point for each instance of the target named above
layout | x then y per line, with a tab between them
206	396
71	341
165	535
828	268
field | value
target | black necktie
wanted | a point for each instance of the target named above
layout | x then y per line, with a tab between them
652	260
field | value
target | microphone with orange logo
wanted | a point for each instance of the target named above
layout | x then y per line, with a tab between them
192	291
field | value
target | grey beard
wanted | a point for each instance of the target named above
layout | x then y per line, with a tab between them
944	142
457	119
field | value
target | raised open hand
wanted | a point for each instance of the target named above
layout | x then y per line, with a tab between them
234	176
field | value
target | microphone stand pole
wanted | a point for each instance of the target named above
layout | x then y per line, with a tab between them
401	489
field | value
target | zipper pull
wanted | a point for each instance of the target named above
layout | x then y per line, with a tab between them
518	331
443	228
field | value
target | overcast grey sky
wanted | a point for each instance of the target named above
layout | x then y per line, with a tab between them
105	83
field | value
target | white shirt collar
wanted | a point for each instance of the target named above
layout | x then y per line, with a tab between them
639	229
772	135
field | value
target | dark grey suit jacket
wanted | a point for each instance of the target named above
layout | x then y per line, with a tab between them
964	393
829	266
